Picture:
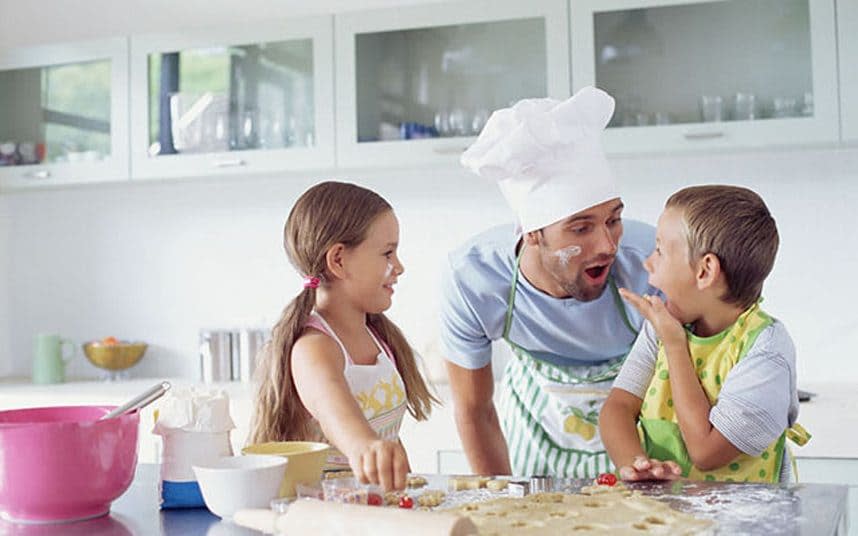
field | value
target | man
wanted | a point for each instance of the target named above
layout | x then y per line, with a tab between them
548	288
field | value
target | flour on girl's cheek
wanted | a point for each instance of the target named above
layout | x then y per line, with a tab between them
389	271
567	253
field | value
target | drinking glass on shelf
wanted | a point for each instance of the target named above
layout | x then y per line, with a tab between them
807	108
711	108
459	124
783	107
442	124
481	115
249	127
744	107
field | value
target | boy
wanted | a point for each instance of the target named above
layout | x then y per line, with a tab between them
711	379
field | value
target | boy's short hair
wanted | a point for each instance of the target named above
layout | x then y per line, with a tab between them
734	224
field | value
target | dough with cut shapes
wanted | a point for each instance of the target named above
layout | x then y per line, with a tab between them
497	484
458	483
597	510
415	481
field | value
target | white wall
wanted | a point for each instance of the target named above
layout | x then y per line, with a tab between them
159	260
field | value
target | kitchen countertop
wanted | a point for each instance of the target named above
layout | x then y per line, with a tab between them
817	509
831	416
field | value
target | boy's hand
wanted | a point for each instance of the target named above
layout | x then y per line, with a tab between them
643	468
667	327
382	463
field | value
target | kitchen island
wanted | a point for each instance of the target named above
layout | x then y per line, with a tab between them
795	509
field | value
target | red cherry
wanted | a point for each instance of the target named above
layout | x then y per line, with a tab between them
406	502
374	499
607	479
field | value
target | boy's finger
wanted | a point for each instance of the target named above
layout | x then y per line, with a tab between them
629	473
675	468
641	463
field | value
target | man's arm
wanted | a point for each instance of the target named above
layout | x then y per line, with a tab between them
477	419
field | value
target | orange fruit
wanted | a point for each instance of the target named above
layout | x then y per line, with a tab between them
110	341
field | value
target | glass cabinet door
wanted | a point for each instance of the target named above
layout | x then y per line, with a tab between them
254	101
847	31
62	120
723	72
418	84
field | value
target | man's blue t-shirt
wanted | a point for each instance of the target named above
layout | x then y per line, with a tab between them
563	331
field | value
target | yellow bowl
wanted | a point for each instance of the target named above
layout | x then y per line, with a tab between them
119	356
306	461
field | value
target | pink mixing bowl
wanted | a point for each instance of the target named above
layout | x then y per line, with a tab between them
62	464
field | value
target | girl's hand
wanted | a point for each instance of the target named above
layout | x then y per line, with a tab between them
643	468
668	329
381	463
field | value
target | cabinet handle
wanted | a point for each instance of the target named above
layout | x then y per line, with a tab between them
41	174
704	135
229	163
450	149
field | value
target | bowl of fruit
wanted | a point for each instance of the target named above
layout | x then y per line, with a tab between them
114	355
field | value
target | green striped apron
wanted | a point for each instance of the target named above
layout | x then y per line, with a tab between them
550	413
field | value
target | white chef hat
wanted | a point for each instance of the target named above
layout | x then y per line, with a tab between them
546	156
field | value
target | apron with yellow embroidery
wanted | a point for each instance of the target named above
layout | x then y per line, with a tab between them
714	357
377	388
550	413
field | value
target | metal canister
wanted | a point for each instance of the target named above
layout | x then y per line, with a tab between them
250	343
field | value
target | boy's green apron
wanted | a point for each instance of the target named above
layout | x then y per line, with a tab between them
550	413
713	359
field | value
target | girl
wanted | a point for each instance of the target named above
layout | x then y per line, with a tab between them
337	370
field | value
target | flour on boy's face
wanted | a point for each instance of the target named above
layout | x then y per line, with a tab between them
669	268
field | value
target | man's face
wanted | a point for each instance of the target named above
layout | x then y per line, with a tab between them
578	252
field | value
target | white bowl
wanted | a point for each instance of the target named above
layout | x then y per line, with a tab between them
238	482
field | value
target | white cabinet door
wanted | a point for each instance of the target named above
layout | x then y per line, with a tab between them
240	99
64	113
708	74
847	30
416	84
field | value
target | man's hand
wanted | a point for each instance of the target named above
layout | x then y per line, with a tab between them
643	468
668	329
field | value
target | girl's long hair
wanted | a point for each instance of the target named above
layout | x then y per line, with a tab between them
327	214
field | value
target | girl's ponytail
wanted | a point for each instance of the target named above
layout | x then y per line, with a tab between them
279	414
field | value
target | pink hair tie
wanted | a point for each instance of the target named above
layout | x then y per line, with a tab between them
311	281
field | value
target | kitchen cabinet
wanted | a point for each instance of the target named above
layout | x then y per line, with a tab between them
416	85
847	31
64	114
701	75
233	100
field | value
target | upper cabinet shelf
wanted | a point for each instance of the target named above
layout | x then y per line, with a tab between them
710	74
233	100
416	85
64	115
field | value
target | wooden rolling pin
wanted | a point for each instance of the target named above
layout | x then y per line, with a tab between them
319	518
